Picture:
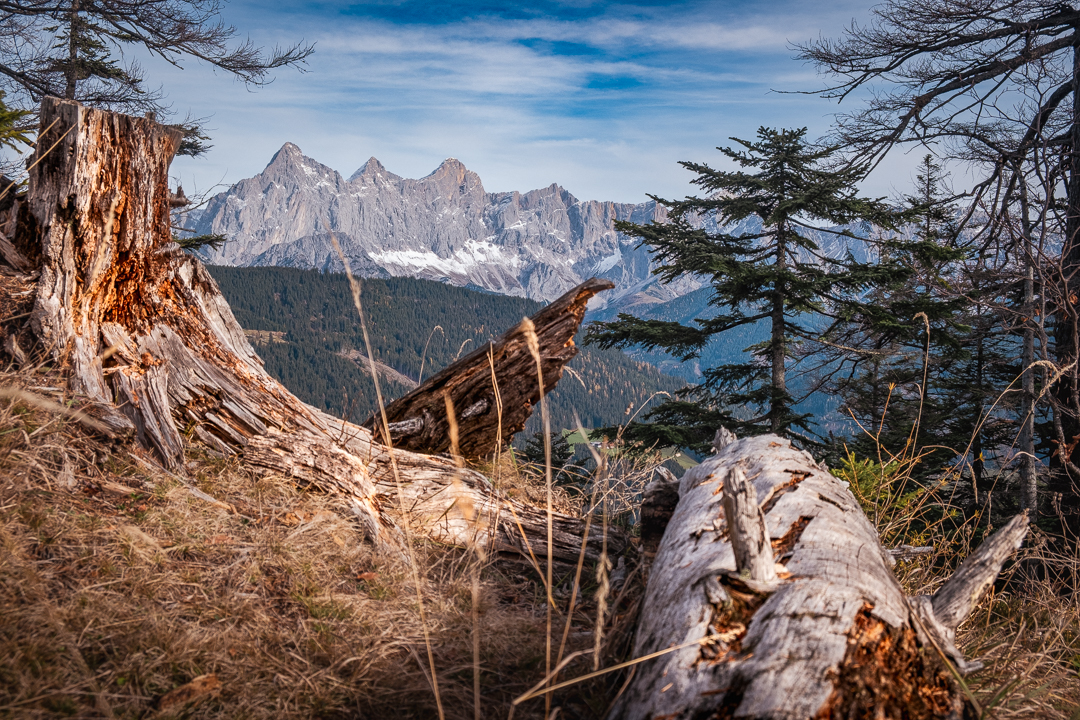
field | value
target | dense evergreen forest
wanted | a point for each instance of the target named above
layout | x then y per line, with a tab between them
305	327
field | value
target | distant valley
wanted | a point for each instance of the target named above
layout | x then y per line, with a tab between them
446	227
305	328
731	348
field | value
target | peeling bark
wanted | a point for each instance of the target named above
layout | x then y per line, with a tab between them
834	636
152	349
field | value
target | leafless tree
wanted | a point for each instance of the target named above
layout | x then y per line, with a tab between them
993	82
74	49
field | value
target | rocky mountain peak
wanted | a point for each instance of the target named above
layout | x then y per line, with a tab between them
452	169
453	178
449	166
552	193
445	226
373	169
291	166
288	153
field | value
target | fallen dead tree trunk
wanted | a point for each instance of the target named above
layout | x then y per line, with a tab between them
494	388
773	580
151	348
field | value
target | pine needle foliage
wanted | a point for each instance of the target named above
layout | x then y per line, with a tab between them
776	275
80	50
561	452
894	370
928	355
214	241
12	130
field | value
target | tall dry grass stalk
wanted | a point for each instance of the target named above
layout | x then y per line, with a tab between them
497	455
575	589
539	688
533	344
602	579
463	504
423	354
355	287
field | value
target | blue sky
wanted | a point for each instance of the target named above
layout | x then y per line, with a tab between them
603	98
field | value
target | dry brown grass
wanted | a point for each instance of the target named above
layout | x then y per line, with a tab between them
118	584
525	482
1028	635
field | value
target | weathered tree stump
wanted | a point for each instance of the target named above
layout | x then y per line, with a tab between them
494	388
152	349
788	606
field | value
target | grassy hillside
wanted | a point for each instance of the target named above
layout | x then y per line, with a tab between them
305	327
126	595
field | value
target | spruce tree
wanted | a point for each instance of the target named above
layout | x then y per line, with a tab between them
980	419
893	369
561	452
929	354
776	275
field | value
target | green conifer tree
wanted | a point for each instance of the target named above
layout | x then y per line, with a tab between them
561	452
75	49
892	386
12	128
929	353
777	276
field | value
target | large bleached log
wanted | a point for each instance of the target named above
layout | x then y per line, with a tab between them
495	387
151	348
831	635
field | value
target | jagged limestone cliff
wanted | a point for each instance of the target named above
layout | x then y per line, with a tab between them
445	226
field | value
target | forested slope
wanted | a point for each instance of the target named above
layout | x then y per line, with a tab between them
310	328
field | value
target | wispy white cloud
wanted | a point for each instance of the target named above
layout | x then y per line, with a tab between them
604	105
678	35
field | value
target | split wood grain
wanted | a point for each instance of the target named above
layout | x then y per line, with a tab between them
746	528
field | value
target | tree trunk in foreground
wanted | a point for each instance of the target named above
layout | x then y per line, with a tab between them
494	388
811	623
151	348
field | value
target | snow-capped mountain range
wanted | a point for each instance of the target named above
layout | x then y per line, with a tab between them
445	226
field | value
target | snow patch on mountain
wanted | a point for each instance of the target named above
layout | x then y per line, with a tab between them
464	260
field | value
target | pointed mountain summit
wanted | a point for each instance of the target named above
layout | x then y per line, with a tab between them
449	166
453	178
288	151
373	169
290	161
289	156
